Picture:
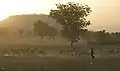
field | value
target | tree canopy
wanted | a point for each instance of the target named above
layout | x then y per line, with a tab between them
42	29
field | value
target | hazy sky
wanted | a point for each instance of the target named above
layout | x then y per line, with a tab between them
105	13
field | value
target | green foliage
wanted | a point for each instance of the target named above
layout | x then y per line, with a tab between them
42	29
72	17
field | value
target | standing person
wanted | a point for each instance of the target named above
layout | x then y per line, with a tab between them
92	53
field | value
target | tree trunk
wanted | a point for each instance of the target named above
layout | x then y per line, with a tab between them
71	44
42	37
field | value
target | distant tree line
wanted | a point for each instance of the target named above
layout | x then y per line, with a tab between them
92	37
102	37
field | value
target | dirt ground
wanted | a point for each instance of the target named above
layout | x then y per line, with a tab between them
58	64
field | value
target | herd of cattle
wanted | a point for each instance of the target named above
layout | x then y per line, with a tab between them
77	52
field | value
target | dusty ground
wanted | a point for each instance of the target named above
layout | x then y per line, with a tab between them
59	64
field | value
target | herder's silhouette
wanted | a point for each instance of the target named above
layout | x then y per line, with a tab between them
92	53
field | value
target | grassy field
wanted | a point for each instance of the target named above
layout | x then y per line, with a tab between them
59	64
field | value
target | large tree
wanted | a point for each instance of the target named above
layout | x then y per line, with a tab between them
72	17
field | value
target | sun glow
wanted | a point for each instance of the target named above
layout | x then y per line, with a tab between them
104	12
11	7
